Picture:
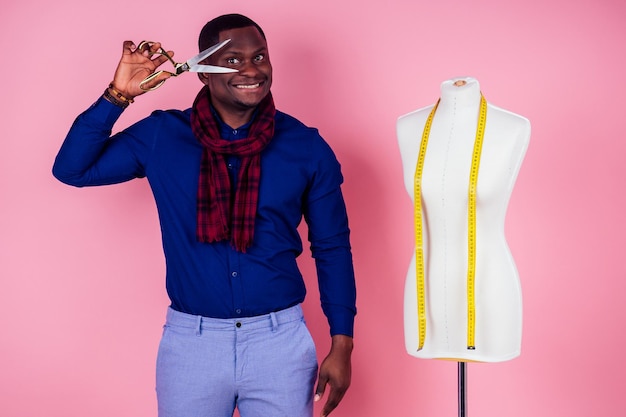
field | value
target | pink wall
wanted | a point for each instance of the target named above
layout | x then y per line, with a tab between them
74	262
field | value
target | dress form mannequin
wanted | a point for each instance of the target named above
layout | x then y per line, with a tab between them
445	182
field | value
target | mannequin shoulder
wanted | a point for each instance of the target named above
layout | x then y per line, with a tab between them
411	124
416	118
502	120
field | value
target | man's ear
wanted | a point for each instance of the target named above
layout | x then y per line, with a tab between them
204	77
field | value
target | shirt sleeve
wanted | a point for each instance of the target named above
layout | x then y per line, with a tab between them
329	234
91	156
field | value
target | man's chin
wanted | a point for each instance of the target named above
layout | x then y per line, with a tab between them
251	100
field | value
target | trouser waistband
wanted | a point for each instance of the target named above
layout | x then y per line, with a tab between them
271	320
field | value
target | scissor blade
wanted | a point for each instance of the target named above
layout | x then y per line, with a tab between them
212	69
206	53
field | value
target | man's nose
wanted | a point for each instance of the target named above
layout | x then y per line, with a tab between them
248	68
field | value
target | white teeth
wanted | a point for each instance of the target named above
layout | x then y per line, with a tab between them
257	85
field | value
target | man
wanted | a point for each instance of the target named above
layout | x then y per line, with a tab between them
232	178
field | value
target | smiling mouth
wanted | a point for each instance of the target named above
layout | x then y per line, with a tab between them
248	86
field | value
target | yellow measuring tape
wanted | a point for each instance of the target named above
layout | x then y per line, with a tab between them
471	229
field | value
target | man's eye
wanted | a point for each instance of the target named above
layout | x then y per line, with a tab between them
232	61
259	58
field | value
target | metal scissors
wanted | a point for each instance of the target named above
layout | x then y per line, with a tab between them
190	65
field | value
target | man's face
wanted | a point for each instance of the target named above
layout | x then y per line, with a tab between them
241	91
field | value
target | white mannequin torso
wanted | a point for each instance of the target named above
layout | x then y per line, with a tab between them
445	183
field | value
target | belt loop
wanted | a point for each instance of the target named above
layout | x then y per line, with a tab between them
199	326
274	321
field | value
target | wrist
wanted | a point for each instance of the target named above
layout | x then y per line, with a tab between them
112	95
342	342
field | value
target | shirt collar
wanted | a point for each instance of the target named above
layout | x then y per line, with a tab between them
227	132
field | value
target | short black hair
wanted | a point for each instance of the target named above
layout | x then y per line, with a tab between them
210	33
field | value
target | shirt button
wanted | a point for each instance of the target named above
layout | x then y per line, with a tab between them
234	274
234	131
238	311
238	324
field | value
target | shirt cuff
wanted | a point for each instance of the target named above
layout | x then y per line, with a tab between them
104	112
341	320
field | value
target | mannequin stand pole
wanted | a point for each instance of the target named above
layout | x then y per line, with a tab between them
462	386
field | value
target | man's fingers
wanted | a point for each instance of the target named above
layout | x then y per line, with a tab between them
330	405
334	398
128	47
148	48
321	387
160	59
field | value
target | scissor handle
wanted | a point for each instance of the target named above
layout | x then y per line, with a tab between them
150	78
161	51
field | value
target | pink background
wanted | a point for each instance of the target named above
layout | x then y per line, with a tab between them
81	271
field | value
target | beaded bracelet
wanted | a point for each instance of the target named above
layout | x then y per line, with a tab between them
117	98
119	95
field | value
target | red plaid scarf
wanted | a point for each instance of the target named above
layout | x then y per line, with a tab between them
219	215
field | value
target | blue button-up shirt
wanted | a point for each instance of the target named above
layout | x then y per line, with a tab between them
300	178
